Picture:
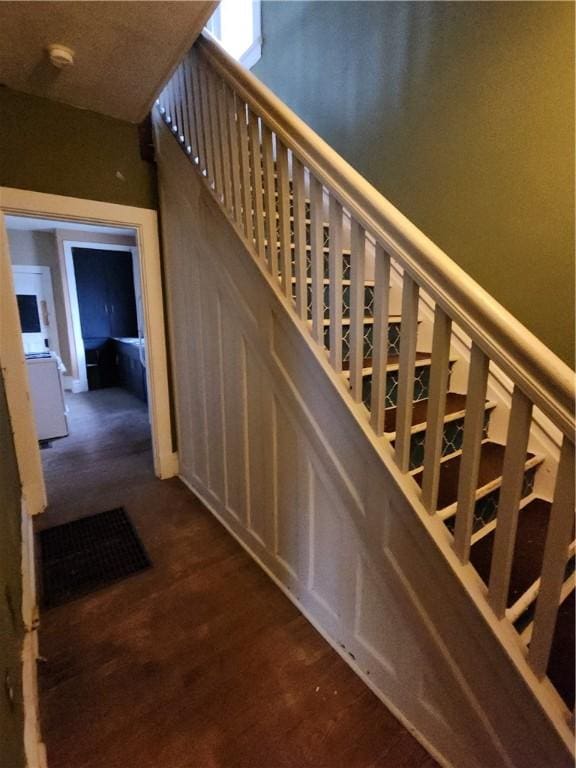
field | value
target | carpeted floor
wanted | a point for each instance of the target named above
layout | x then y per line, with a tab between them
199	661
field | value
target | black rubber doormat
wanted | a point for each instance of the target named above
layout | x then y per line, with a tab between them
87	554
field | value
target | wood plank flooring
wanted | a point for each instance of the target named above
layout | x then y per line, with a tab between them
199	662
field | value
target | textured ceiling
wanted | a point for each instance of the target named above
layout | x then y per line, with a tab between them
124	50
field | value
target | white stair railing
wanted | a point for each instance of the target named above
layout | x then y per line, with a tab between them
276	179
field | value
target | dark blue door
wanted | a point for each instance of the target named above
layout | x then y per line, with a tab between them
107	304
105	287
121	298
91	286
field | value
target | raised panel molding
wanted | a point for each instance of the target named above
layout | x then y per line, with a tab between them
266	442
292	497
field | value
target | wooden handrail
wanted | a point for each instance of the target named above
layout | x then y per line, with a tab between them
535	369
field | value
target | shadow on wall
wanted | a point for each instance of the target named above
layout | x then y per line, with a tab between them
73	152
462	114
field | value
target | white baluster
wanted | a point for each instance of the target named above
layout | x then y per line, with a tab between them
185	132
509	501
380	338
163	101
256	175
198	110
299	215
234	142
357	308
270	200
174	105
211	80
471	452
227	188
178	104
560	528
439	372
193	129
206	127
245	171
336	271
171	111
317	259
404	403
284	217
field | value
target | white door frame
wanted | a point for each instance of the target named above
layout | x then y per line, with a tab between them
46	276
144	221
80	384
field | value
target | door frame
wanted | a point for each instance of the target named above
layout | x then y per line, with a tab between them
144	221
46	277
80	383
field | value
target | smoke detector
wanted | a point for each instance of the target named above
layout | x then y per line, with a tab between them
60	55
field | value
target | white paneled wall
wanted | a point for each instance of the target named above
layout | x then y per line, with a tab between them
265	439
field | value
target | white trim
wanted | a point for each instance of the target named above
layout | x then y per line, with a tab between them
71	384
252	55
80	383
46	276
34	748
144	221
16	385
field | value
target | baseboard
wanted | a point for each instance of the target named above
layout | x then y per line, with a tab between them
169	465
73	385
410	727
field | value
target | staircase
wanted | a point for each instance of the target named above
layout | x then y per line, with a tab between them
475	412
534	511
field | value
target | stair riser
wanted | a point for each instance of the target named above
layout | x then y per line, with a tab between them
345	266
393	340
325	241
451	440
421	384
368	300
306	204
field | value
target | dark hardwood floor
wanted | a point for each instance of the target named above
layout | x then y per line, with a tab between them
200	661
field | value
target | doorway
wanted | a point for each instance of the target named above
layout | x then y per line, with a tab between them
99	273
107	320
71	215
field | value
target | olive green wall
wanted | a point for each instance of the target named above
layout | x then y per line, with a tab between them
51	147
11	626
462	114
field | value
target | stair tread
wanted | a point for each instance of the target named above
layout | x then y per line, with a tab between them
561	666
392	320
392	362
325	248
528	552
490	469
326	281
454	404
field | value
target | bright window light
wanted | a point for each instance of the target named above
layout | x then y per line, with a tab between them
236	24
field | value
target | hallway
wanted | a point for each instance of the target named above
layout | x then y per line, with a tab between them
200	661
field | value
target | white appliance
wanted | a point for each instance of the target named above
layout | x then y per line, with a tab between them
47	392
